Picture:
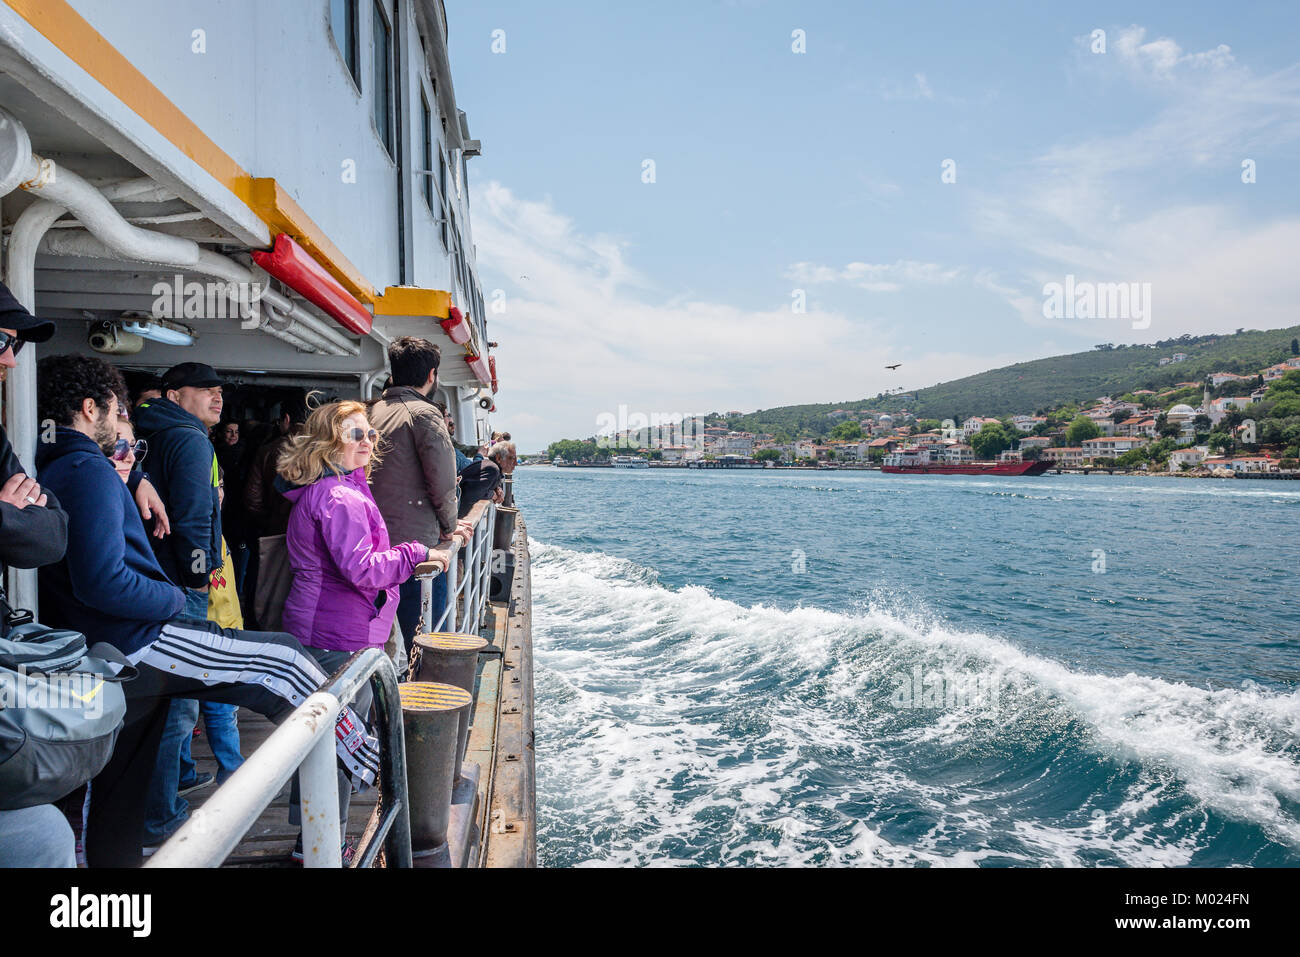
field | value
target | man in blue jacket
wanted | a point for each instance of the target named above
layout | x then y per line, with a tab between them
183	467
110	586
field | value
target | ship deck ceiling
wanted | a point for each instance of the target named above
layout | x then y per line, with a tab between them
50	130
78	291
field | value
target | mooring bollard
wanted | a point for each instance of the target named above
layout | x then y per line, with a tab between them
451	659
503	533
431	716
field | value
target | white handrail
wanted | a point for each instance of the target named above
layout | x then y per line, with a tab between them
304	742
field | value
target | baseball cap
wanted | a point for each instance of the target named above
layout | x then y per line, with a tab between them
199	375
13	315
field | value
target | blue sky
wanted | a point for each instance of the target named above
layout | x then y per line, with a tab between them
820	171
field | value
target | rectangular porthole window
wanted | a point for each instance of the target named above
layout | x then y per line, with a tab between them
343	25
442	192
426	131
383	76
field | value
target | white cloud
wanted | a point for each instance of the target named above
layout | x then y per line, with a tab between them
587	332
1163	56
1087	207
874	277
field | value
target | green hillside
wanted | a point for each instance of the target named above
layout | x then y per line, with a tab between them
1045	383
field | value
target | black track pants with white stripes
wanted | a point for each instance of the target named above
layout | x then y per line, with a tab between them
267	672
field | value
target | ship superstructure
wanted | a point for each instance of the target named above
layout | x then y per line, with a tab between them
278	190
153	154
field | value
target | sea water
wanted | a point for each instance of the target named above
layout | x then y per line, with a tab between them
852	668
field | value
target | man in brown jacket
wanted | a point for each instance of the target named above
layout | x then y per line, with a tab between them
414	483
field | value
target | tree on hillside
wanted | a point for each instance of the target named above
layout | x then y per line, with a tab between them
1295	347
1132	458
989	441
847	431
767	455
1080	429
1222	440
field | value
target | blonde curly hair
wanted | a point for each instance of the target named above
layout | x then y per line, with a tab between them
318	449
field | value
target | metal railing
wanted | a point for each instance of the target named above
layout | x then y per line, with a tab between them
305	743
467	588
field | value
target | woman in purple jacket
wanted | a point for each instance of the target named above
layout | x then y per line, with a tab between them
346	572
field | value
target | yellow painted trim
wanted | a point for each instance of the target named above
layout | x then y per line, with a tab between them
269	200
414	301
71	33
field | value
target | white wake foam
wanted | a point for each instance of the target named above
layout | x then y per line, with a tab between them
675	723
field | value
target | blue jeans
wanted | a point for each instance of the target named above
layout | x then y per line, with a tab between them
36	837
408	607
222	729
166	810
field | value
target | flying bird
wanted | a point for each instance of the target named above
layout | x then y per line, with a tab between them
894	366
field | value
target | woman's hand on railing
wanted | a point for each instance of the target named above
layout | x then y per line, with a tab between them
439	557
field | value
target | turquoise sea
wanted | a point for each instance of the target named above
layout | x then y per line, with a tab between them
852	668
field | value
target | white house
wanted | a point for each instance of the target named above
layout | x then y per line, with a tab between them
973	424
1109	448
736	443
1218	378
1253	463
1068	458
1190	457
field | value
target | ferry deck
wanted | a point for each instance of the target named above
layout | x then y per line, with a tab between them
278	192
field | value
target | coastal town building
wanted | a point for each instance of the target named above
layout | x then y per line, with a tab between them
972	425
1138	425
1190	457
1111	447
1253	463
1218	378
1069	457
1026	423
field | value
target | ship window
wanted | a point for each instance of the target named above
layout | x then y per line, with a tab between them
442	192
383	73
343	25
426	130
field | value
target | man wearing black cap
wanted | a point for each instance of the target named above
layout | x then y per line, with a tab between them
184	470
33	531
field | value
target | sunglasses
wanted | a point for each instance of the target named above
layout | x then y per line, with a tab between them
123	447
9	339
356	434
